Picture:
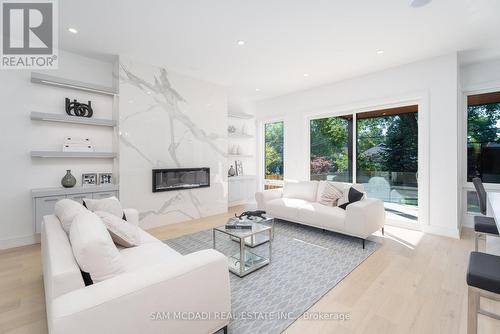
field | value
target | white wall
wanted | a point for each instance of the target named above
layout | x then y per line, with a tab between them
431	83
19	135
480	76
182	123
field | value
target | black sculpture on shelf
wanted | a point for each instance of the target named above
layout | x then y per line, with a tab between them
76	108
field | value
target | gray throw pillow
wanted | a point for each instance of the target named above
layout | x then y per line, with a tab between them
330	195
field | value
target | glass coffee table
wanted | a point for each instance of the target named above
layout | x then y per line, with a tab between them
246	261
259	238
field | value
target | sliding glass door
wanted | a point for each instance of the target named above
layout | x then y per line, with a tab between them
387	158
385	143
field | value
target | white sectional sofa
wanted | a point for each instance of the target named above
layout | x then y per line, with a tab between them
299	202
157	280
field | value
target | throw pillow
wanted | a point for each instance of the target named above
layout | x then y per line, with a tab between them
110	204
351	195
122	232
93	248
66	210
330	195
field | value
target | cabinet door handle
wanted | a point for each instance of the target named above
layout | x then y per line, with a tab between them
51	199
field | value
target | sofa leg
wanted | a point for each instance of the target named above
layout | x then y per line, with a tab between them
383	231
363	243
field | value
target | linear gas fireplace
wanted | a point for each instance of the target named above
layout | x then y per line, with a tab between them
180	178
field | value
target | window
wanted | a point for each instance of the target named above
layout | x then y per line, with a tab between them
331	149
483	137
273	142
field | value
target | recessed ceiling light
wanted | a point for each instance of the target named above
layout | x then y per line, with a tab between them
240	42
306	75
257	89
419	3
379	52
73	30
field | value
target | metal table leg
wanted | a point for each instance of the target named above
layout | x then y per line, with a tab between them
213	237
270	243
242	255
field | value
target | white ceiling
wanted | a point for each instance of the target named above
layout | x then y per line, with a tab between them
329	40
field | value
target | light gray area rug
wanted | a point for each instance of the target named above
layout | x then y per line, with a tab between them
306	263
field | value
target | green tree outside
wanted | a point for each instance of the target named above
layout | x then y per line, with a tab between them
483	130
274	149
329	148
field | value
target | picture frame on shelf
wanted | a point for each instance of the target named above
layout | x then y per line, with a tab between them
239	167
105	178
89	179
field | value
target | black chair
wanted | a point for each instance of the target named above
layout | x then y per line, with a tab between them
483	226
483	279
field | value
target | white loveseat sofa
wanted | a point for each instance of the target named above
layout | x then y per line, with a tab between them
299	202
157	281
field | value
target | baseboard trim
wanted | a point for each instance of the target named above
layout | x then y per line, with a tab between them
20	241
467	224
162	220
150	225
237	203
442	231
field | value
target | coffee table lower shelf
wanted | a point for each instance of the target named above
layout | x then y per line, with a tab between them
245	261
254	240
252	263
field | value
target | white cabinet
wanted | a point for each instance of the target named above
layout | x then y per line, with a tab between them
44	200
100	195
44	206
78	197
241	189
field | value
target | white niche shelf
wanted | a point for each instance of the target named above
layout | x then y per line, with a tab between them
45	79
240	115
240	156
60	154
51	117
239	136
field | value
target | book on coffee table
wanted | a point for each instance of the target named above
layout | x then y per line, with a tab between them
238	224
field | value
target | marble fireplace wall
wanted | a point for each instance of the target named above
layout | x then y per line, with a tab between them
168	120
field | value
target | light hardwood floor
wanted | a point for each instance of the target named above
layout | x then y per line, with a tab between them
415	283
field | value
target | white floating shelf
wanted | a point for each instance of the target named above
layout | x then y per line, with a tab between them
50	80
240	156
59	154
240	115
40	116
239	135
240	178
